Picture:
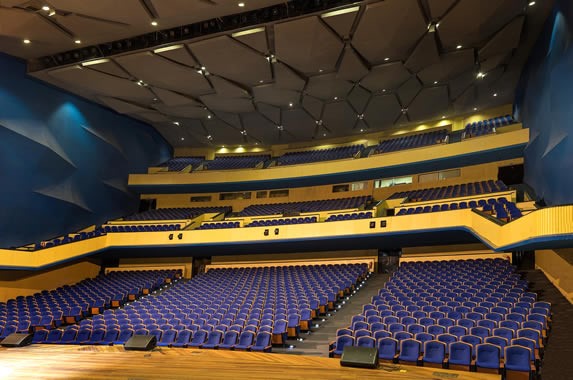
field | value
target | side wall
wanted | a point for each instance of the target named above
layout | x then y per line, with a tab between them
24	283
558	267
543	103
64	161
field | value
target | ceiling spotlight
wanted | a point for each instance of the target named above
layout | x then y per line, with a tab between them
404	110
182	138
261	81
241	5
360	116
361	130
531	3
209	137
443	117
45	8
383	90
336	98
475	109
280	127
203	68
435	82
78	42
27	41
291	104
243	132
155	99
176	123
51	13
209	116
324	135
318	122
480	75
495	94
320	70
387	59
154	23
459	47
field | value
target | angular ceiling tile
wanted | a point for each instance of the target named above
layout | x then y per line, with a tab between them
180	55
340	118
351	66
221	103
270	94
307	45
425	54
312	106
439	7
382	111
431	103
121	106
358	98
170	98
286	78
341	23
385	77
327	87
226	88
257	39
389	18
450	66
270	112
503	41
110	67
408	91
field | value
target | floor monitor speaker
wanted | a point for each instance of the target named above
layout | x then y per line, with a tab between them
17	340
361	357
141	343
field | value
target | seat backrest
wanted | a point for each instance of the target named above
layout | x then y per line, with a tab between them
517	358
387	348
409	350
230	337
460	353
488	356
263	339
434	351
246	338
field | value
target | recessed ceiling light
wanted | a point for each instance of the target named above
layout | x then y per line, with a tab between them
78	41
324	134
209	116
176	122
182	138
320	70
45	8
291	104
336	98
480	75
495	94
475	109
443	117
459	47
387	58
532	3
261	81
241	5
435	82
155	99
361	130
27	41
154	23
383	90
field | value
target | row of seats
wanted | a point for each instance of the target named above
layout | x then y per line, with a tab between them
71	303
319	155
177	213
283	221
230	340
305	206
349	216
412	141
281	301
480	303
501	207
219	225
70	238
177	164
485	127
140	227
239	162
452	191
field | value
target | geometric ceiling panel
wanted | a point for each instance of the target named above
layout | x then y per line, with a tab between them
272	113
450	65
307	45
216	54
170	98
358	98
430	103
110	67
227	88
121	106
426	53
180	55
339	118
341	23
494	61
260	127
409	90
158	71
257	40
351	66
505	40
270	94
439	7
152	116
286	78
185	111
313	106
377	119
385	77
222	132
299	123
456	28
381	31
327	87
217	102
101	83
232	119
460	83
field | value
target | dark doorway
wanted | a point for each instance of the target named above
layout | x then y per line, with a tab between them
511	175
147	204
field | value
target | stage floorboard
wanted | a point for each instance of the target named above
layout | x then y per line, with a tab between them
94	362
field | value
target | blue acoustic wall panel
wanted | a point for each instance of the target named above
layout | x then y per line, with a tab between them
544	100
64	161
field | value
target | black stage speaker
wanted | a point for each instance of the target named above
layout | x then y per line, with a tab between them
17	340
362	357
141	343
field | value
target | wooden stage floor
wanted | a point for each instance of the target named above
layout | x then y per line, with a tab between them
93	362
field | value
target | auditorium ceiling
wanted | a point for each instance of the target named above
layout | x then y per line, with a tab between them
365	67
